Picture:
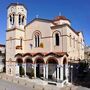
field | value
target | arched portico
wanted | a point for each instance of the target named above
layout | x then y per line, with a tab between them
39	67
52	68
28	62
19	66
64	68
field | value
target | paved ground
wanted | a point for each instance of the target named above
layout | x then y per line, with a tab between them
6	85
82	88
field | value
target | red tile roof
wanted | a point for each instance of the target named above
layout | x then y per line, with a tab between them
60	18
1	45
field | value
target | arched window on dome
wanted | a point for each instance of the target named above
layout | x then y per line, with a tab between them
57	39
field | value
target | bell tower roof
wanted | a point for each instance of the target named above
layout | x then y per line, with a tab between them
16	4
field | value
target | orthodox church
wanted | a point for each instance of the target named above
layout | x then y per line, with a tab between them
44	46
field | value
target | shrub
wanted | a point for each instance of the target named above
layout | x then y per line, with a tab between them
21	69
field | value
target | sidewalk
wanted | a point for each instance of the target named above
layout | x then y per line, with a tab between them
37	84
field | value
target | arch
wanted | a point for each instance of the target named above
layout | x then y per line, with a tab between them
40	54
56	36
56	31
39	66
28	68
57	39
19	66
28	60
19	19
27	54
19	60
52	68
36	36
13	18
18	54
10	16
52	60
36	32
39	60
23	20
64	61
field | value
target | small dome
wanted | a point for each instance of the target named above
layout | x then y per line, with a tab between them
60	18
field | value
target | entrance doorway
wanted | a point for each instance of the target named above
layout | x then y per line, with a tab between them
29	67
64	68
52	69
39	67
21	69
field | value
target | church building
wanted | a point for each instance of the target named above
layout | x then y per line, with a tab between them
44	47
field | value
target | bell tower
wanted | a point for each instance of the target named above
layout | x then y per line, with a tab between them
16	21
16	16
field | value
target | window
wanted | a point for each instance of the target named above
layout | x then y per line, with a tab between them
57	39
22	20
70	40
20	41
37	40
74	42
13	19
10	19
19	19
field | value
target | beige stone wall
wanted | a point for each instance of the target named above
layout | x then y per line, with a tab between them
45	36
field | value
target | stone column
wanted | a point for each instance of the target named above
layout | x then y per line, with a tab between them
46	71
44	67
61	72
58	72
17	69
34	70
66	70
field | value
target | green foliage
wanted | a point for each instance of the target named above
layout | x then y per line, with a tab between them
22	72
31	73
83	69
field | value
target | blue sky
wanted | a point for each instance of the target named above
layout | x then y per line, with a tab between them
77	11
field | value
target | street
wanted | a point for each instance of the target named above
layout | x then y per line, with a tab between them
6	85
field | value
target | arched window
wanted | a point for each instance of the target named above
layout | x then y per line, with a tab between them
57	39
74	42
38	43
19	18
20	41
13	19
10	19
37	40
22	20
70	40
